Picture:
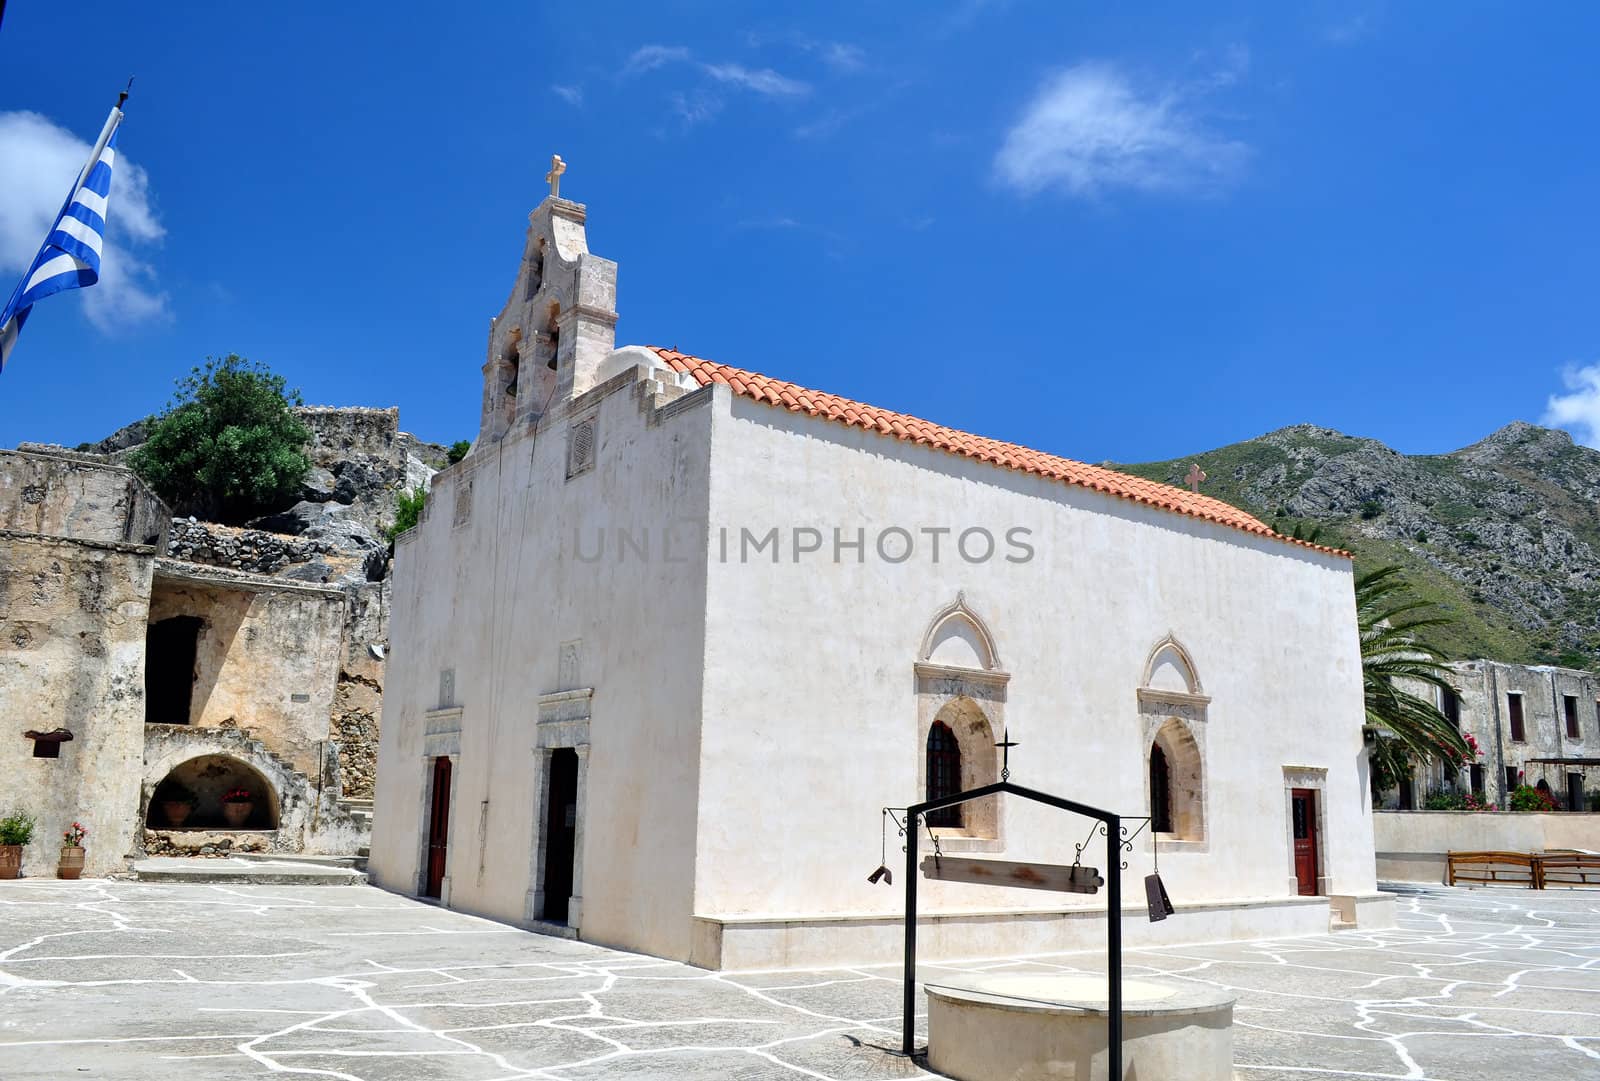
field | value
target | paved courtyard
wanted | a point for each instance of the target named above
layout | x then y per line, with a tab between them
175	982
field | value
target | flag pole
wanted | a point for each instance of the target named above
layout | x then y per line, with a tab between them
113	119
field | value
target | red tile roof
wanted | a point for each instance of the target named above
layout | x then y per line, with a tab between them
816	403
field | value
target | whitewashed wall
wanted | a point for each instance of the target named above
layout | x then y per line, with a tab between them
494	599
809	675
1412	845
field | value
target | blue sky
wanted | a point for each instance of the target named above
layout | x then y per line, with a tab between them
1110	231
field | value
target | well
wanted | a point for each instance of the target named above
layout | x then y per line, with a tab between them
1021	1027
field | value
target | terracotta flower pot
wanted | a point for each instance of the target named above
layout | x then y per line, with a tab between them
175	811
10	861
237	814
71	865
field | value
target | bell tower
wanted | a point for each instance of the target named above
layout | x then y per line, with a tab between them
558	324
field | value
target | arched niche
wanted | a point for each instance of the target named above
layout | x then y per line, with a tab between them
961	685
207	779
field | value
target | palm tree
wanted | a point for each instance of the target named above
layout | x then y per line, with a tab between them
1402	727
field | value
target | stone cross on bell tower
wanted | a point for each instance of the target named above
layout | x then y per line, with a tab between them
558	324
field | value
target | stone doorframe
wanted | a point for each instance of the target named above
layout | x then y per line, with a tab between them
1316	779
563	722
441	739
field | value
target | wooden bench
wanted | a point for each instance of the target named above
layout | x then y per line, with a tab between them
1492	869
1568	869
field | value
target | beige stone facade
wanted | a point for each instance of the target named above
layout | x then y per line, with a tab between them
1535	724
126	673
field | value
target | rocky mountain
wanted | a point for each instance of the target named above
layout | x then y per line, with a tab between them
1504	535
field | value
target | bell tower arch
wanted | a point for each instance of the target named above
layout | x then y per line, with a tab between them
557	325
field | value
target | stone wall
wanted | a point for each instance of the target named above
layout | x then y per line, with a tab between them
72	628
315	556
1412	845
309	818
69	496
267	657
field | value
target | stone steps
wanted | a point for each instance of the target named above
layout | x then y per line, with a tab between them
251	870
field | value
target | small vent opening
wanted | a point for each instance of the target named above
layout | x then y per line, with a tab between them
580	447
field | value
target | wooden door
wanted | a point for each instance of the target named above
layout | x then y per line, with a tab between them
561	834
438	827
1303	804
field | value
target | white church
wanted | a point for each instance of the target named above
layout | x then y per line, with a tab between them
671	637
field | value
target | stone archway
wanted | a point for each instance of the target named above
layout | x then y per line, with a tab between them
206	780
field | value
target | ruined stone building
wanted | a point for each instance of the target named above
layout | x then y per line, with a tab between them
1534	724
151	667
674	633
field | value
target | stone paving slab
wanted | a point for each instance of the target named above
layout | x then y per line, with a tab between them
176	981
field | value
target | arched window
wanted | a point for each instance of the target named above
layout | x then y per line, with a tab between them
944	775
1160	792
1177	784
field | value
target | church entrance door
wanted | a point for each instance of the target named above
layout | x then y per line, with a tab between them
560	833
1303	802
438	827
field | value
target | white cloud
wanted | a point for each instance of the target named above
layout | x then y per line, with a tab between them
761	80
38	162
1088	129
694	105
572	95
1578	409
649	57
842	56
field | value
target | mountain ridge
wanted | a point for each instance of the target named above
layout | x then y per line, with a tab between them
1502	534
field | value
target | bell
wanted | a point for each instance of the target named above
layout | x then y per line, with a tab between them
1156	895
883	873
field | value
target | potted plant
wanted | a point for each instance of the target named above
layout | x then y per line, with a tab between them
71	865
16	830
237	803
176	800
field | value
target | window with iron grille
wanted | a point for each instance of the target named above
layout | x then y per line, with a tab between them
944	774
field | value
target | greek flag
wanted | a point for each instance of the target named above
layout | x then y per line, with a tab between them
70	258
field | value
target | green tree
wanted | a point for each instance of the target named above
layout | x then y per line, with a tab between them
458	450
1401	726
407	510
229	446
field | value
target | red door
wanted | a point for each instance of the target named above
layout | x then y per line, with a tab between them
1303	804
438	827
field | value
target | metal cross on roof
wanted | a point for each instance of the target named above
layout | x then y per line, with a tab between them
1195	476
1005	745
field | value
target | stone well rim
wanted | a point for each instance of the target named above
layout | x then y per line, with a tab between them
1022	993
